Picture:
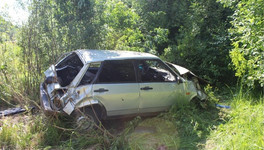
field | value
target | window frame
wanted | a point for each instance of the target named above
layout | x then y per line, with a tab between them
160	61
95	77
96	81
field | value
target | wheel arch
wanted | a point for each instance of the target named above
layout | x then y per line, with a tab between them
95	106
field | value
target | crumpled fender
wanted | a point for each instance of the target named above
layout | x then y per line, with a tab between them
79	99
70	106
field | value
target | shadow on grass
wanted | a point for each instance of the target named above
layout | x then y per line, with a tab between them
55	131
194	124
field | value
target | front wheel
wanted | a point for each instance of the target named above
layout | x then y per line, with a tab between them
85	119
197	102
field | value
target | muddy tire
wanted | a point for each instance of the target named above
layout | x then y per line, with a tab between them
85	120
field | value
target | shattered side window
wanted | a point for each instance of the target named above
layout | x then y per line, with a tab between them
154	71
68	68
117	71
90	73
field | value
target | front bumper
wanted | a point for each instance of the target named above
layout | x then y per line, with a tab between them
45	103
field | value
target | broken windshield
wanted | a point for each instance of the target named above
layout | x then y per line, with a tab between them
68	68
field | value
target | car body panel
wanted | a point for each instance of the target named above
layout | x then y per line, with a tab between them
119	99
160	97
45	103
192	80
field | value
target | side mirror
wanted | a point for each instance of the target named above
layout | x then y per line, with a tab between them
179	80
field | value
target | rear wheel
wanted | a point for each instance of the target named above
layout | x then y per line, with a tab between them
85	119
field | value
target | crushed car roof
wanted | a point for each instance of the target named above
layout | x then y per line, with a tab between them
101	55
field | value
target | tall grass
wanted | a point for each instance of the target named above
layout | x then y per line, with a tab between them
245	128
185	127
241	127
20	133
11	75
40	132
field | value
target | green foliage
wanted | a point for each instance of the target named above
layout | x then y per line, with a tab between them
190	33
7	30
184	127
212	99
10	73
119	28
247	40
202	43
39	132
240	127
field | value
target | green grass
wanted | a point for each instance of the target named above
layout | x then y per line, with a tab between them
162	133
17	133
40	132
245	128
186	127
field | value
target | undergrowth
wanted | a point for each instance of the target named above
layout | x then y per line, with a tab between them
240	127
40	132
185	127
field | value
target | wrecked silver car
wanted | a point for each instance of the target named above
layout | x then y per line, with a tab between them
103	84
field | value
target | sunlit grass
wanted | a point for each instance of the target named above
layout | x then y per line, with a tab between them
20	132
241	127
185	127
156	132
244	130
41	132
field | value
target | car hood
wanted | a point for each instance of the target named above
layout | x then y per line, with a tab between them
183	71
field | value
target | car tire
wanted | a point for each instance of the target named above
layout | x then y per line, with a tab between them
85	119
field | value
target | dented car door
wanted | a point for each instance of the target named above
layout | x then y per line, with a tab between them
116	88
159	86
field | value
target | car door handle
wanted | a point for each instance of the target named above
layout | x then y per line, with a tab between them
101	90
146	88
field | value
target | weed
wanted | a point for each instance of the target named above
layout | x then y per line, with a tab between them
183	127
212	99
245	128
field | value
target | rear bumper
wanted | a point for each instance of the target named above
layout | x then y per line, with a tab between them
45	103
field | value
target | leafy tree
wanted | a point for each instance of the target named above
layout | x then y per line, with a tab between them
248	50
119	26
247	53
7	30
190	33
9	63
197	35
